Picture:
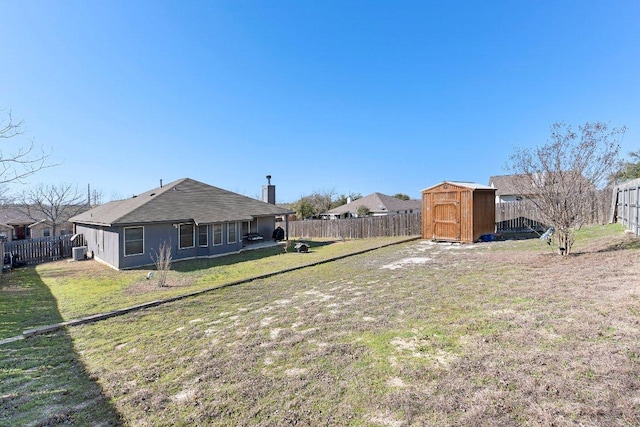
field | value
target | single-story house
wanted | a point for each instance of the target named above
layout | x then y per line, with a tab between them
378	204
514	188
14	223
506	188
18	223
195	219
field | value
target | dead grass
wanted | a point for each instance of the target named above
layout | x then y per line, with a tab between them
487	334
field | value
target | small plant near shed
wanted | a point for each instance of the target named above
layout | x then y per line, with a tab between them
162	261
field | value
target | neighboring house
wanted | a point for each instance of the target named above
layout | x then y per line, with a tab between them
506	188
16	224
43	228
378	204
6	232
196	219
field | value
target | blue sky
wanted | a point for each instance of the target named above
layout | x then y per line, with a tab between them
342	96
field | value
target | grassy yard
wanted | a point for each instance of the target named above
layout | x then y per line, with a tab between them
502	333
64	290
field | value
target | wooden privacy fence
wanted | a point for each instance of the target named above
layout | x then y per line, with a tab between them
518	217
45	249
626	209
356	228
521	216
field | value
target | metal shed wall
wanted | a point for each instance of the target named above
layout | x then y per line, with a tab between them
456	213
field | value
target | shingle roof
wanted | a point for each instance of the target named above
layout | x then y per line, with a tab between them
378	202
16	215
514	185
505	185
180	201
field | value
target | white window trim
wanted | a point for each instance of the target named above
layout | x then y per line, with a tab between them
193	236
206	241
124	240
235	227
221	235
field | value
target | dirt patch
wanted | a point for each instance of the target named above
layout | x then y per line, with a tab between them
148	286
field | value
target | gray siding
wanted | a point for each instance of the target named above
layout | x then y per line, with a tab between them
266	225
103	246
107	243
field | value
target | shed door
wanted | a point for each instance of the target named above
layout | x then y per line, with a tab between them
446	217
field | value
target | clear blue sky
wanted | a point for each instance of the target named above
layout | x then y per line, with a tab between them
343	96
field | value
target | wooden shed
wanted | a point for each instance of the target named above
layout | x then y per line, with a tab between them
458	211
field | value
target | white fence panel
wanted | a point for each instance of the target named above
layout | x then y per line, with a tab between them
627	209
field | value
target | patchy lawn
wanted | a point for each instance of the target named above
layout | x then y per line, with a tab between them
67	290
502	333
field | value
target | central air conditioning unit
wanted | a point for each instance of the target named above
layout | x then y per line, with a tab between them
79	253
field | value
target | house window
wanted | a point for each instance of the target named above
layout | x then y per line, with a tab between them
203	235
186	236
46	232
217	234
231	233
133	241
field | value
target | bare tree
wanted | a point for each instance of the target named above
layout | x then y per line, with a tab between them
162	260
23	161
54	204
562	177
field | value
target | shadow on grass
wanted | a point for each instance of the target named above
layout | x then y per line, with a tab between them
42	379
620	246
244	256
520	235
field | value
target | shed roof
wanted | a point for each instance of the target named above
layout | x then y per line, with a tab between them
377	202
180	201
471	185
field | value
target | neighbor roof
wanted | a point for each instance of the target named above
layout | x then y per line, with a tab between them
505	185
378	202
180	201
510	185
17	215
